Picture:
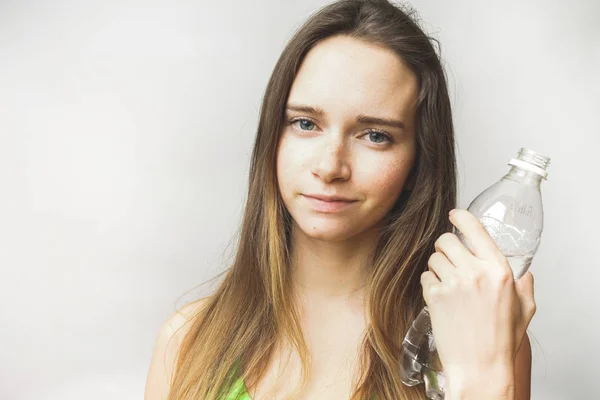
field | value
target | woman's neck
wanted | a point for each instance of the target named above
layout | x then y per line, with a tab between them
331	270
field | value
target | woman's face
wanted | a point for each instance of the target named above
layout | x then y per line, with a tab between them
338	148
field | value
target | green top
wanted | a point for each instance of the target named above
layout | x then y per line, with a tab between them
238	391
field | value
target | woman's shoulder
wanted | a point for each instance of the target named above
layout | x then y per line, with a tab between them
169	339
177	325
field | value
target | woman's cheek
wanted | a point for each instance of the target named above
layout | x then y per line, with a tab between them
290	160
387	180
294	155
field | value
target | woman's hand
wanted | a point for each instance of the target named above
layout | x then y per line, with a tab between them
479	314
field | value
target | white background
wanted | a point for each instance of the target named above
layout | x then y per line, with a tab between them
125	134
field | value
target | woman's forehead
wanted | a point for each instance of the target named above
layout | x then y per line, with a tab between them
343	72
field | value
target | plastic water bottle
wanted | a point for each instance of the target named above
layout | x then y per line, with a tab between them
511	211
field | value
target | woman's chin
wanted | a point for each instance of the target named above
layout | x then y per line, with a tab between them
328	232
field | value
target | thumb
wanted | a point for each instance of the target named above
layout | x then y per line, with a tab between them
524	289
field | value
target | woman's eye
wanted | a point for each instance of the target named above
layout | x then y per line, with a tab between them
379	137
304	124
374	136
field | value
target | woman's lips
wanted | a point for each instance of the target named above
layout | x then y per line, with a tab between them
328	206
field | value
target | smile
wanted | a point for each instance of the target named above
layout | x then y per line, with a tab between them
328	206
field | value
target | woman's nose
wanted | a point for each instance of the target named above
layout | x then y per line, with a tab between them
330	160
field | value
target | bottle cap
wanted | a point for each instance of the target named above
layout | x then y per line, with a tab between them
531	161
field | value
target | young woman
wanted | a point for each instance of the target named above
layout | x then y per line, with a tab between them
345	237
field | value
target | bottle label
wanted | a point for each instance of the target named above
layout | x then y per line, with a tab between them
521	208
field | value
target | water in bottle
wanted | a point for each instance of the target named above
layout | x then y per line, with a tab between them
511	212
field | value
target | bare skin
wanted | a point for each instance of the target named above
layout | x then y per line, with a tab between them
334	333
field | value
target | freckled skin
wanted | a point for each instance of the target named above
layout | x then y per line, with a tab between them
334	155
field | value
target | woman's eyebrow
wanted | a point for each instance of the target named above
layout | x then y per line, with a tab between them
306	109
392	123
361	118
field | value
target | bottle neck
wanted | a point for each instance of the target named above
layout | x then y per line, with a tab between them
524	177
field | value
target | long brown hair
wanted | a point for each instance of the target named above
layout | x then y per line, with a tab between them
252	308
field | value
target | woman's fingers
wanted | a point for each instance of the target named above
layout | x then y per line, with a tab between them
480	242
441	266
450	245
429	280
482	245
